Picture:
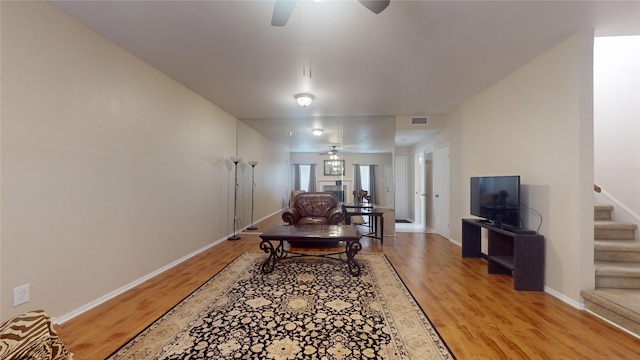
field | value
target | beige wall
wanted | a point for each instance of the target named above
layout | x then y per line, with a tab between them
110	169
271	175
537	123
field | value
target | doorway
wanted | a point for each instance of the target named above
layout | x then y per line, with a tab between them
423	190
428	191
401	187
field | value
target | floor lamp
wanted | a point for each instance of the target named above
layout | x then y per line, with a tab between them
253	187
236	160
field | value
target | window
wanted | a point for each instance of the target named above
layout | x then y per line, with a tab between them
364	177
305	174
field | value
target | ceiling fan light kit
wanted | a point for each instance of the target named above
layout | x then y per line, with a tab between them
283	8
304	99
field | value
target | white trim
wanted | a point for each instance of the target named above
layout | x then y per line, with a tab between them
612	323
84	308
576	304
455	242
620	211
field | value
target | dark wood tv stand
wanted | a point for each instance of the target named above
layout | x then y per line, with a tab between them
510	251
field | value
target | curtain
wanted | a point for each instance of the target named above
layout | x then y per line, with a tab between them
312	178
373	184
296	176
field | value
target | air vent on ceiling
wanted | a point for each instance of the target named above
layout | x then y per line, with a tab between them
419	120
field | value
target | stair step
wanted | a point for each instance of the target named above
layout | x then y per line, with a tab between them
617	250
617	270
620	306
614	230
613	268
617	275
602	212
617	245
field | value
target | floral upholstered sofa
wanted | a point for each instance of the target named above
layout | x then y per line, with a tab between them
31	336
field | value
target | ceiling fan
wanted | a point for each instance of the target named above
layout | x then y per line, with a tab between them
283	9
331	152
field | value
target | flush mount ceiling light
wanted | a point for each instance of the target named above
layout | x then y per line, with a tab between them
304	99
317	132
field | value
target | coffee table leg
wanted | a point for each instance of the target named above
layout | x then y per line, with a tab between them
351	250
280	250
270	263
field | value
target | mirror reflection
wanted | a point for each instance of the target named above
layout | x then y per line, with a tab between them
351	157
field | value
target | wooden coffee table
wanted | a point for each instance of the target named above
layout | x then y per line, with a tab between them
314	233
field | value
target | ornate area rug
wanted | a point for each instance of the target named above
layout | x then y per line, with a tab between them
307	308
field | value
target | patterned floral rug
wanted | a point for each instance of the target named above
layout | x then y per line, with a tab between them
308	308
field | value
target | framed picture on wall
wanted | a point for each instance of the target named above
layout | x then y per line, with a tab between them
333	167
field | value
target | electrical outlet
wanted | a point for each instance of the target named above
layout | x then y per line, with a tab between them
21	295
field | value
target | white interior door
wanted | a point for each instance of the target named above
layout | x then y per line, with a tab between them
389	188
418	189
441	190
401	187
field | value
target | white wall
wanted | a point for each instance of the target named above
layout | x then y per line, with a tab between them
617	124
110	169
537	123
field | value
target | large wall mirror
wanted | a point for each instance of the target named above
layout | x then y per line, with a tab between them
362	148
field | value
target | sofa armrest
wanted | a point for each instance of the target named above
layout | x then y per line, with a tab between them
31	336
336	217
291	215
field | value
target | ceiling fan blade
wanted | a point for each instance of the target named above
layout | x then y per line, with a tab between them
375	5
282	11
331	152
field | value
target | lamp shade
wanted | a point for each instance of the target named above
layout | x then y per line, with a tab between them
304	99
235	159
253	163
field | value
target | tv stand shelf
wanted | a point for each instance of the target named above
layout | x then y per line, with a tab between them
519	252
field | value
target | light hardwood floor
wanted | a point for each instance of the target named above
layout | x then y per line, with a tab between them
478	315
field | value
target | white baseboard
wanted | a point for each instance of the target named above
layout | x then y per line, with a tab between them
454	241
612	323
576	304
84	308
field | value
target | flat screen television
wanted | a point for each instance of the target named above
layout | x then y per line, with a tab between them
496	199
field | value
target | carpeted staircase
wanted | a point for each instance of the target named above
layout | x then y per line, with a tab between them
617	264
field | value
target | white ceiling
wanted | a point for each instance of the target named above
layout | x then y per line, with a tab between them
415	58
